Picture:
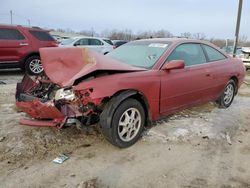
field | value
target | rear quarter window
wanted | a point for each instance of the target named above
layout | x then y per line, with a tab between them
213	54
42	35
108	41
10	34
95	42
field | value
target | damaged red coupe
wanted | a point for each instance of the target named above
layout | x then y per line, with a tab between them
125	90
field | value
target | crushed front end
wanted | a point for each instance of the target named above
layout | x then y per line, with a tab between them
49	105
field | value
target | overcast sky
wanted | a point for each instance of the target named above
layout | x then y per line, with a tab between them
214	18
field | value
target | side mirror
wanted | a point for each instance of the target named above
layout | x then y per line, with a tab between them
174	64
76	44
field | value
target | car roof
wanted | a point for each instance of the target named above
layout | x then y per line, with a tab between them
21	26
82	37
24	27
178	41
172	40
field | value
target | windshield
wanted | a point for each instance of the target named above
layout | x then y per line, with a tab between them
139	53
67	41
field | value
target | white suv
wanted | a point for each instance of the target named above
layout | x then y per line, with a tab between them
100	45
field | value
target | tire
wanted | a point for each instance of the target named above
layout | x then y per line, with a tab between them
33	65
226	98
126	128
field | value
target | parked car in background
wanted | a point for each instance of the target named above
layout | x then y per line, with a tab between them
117	43
100	45
124	91
245	56
19	47
229	50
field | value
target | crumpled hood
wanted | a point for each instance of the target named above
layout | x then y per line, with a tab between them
64	65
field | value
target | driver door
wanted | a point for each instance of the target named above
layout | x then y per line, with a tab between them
181	88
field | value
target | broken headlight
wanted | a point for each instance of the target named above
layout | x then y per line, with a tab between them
66	94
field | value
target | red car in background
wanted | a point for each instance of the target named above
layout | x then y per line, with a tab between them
125	90
19	47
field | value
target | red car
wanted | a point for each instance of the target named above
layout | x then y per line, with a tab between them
19	47
128	88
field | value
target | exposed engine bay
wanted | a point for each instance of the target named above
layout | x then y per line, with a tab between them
56	106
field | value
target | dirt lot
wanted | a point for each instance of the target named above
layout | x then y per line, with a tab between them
200	147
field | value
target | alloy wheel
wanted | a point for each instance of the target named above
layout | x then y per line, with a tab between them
36	66
228	94
129	124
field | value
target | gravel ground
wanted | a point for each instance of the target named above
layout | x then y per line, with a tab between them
199	147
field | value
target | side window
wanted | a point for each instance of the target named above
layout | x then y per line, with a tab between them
42	35
95	42
10	34
82	42
192	54
213	54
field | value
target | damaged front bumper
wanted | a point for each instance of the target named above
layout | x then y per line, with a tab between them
44	113
39	110
45	110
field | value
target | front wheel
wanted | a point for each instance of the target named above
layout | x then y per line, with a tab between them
127	124
33	65
226	98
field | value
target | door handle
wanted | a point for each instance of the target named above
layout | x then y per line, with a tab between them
23	44
208	74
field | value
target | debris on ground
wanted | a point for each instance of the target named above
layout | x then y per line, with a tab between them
205	137
2	138
247	83
60	159
228	139
1	82
91	183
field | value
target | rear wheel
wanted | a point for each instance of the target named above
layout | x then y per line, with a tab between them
127	124
33	65
227	96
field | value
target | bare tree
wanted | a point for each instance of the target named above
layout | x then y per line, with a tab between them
242	40
200	36
186	35
162	34
154	34
218	42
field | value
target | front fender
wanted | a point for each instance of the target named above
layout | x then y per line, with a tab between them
107	114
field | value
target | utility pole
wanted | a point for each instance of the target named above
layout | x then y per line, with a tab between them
237	27
92	31
11	14
28	22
